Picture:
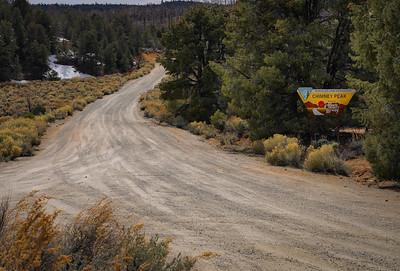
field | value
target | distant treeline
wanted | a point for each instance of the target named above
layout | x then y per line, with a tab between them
144	15
98	39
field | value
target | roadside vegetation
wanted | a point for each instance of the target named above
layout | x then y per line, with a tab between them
96	239
234	72
26	109
232	134
325	159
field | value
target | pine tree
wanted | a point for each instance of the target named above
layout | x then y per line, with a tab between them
190	46
36	57
110	58
9	67
375	41
275	47
23	7
20	32
89	52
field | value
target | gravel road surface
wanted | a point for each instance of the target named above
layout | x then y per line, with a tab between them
255	216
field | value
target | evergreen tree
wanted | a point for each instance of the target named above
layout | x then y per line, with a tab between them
9	67
23	7
36	60
89	53
20	32
123	58
190	46
274	48
110	58
5	10
375	41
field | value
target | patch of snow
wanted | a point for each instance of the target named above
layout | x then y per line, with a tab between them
20	82
64	71
61	39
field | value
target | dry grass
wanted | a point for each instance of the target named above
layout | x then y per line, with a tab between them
150	57
324	159
19	135
154	107
18	100
30	239
227	132
20	129
236	125
281	150
203	129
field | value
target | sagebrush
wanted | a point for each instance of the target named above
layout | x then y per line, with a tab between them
31	239
324	159
281	150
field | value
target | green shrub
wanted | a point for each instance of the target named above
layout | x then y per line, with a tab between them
79	104
38	109
218	120
258	147
281	150
179	122
383	152
324	159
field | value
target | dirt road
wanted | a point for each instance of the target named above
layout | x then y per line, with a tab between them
257	217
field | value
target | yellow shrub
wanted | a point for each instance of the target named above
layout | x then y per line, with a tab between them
79	104
9	148
41	124
155	107
90	99
324	159
281	150
27	242
202	128
236	125
228	138
63	112
30	239
24	133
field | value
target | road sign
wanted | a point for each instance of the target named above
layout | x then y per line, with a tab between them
325	101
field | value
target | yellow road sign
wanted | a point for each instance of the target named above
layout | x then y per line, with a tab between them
325	101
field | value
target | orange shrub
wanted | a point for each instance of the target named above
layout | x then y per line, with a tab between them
30	239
